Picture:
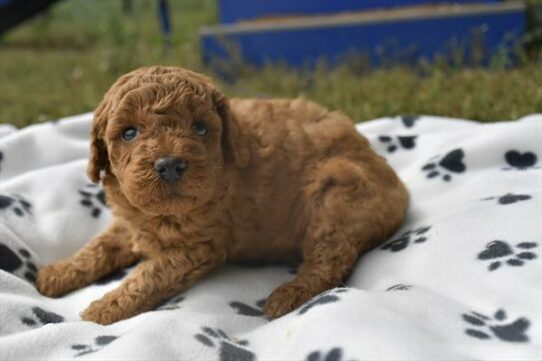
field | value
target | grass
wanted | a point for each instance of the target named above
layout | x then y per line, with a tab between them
61	63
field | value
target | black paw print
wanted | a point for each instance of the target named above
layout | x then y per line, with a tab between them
99	343
41	317
230	350
417	236
509	198
246	310
326	297
451	162
93	198
399	287
11	262
485	326
335	354
16	204
171	304
501	250
405	142
520	161
409	120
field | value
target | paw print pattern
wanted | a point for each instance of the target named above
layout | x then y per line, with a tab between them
484	327
93	197
509	198
335	354
322	299
171	304
501	253
520	161
246	310
417	236
405	142
16	204
41	317
230	350
399	287
99	343
11	262
451	162
409	120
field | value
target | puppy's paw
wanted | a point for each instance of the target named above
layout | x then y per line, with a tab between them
285	299
55	280
104	311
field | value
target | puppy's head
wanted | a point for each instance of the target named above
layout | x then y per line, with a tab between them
166	135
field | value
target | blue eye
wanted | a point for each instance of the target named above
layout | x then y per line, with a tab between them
200	128
129	133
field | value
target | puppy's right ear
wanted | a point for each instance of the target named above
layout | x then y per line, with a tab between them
98	160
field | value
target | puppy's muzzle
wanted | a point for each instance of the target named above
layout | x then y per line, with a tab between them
170	169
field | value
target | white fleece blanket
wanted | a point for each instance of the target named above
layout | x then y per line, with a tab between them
461	280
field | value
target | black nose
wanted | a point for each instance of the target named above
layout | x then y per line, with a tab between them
170	168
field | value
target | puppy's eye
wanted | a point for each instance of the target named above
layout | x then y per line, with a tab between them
200	128
129	133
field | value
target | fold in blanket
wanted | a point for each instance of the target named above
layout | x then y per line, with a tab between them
460	280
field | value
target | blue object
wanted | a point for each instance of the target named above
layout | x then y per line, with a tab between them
231	11
399	38
165	24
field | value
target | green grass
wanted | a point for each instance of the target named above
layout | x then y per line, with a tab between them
61	63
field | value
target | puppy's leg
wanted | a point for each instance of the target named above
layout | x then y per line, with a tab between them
324	268
108	252
346	216
153	281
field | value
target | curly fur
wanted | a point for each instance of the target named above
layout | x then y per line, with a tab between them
272	181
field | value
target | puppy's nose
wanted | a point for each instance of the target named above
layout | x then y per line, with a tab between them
170	169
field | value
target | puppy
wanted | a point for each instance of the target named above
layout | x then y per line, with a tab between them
194	180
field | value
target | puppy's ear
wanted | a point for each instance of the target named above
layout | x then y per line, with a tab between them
98	159
233	141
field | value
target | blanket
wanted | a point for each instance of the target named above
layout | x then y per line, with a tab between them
461	280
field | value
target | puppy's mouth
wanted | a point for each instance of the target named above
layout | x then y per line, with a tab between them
166	202
173	192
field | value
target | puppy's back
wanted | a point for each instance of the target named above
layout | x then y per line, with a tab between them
303	128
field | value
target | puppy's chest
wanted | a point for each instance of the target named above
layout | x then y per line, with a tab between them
155	235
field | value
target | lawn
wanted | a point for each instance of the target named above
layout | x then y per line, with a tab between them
62	62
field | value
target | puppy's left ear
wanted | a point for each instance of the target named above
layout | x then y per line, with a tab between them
233	141
98	160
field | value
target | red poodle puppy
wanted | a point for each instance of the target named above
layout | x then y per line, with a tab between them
194	180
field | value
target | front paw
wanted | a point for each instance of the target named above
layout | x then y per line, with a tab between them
55	280
104	311
285	299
